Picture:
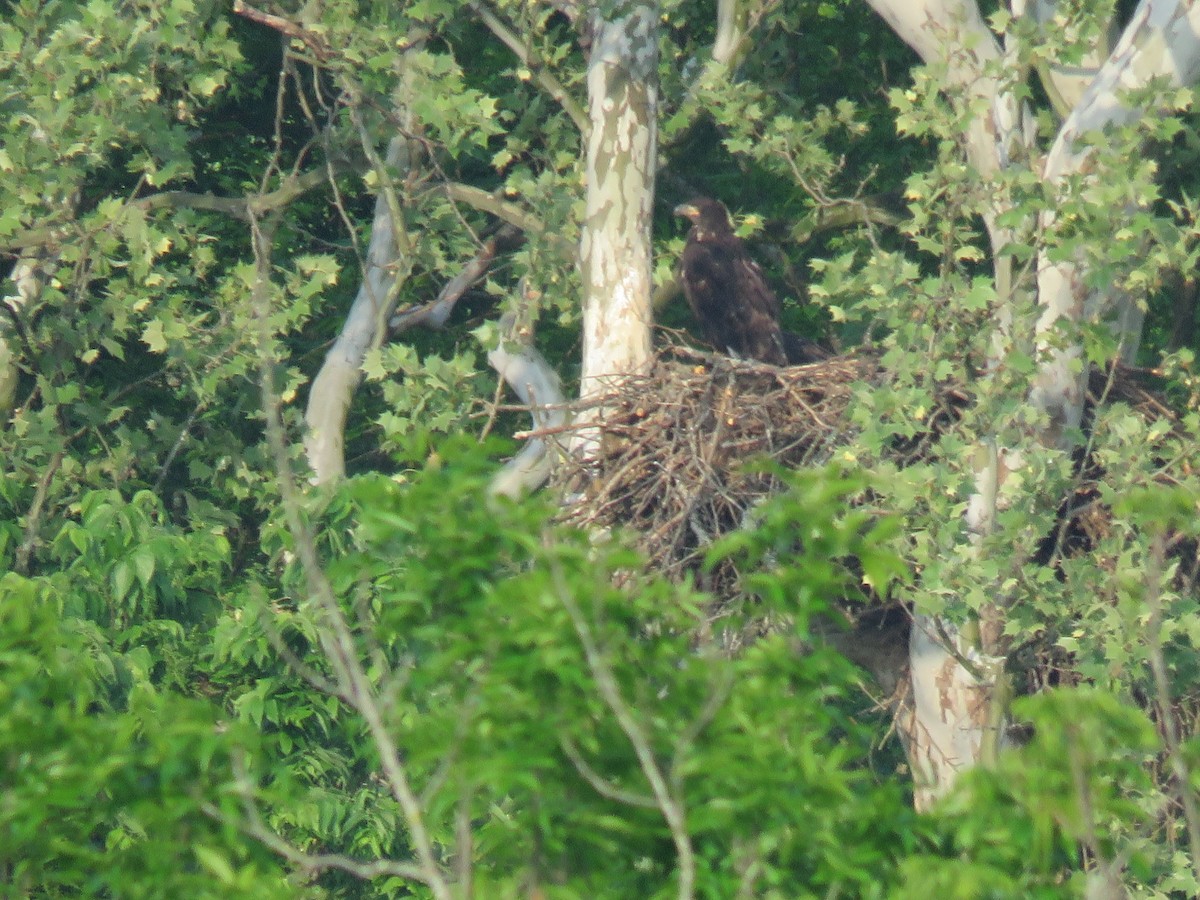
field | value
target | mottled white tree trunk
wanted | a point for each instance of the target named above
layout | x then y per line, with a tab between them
615	245
333	388
1161	42
957	674
26	277
615	252
531	377
945	727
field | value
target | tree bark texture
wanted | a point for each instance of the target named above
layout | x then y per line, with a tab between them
333	388
537	384
27	278
615	252
1160	43
957	673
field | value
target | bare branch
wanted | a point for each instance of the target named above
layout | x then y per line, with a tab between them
295	663
33	518
1066	82
435	314
337	637
310	863
494	204
735	24
313	40
716	699
241	208
599	783
1162	691
184	431
670	806
332	389
537	384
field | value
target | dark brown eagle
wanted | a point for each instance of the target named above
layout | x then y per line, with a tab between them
731	300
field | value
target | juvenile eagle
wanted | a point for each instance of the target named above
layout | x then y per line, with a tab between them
731	300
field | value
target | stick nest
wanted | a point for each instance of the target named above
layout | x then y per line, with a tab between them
671	467
672	461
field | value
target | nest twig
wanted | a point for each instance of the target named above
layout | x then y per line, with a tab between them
673	446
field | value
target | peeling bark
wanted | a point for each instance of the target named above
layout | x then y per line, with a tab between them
1161	42
945	726
953	34
27	277
1065	83
537	384
436	313
333	388
615	253
950	715
957	675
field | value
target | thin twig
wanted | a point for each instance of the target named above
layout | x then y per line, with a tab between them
435	313
254	826
314	678
178	445
720	693
670	806
599	783
337	638
1162	689
495	204
33	519
258	205
536	66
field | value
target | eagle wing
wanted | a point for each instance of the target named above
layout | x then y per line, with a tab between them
734	305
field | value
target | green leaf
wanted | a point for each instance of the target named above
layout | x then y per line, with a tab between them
144	563
121	580
154	336
215	862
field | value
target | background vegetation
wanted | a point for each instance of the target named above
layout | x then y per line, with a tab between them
216	683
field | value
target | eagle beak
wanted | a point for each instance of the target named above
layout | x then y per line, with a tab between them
688	211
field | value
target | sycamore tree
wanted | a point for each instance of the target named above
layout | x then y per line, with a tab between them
1111	81
273	271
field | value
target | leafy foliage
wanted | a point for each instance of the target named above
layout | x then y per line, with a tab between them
175	715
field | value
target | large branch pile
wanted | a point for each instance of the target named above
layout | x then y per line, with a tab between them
676	464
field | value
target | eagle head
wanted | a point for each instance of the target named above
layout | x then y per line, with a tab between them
708	217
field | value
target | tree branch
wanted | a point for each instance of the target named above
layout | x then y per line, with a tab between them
337	637
541	74
313	41
310	863
734	27
599	783
33	518
332	389
515	215
1162	692
670	806
537	384
242	208
435	314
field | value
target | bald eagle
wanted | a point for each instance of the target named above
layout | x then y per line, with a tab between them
731	300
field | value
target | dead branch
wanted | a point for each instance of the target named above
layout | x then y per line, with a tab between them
435	313
310	39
